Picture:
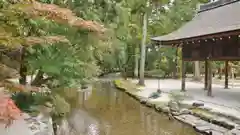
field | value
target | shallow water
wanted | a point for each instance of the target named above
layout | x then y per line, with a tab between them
107	111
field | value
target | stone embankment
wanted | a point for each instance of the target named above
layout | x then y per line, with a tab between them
29	125
178	106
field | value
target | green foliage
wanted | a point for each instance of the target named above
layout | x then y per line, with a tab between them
61	63
27	101
66	65
126	85
60	106
164	21
177	96
155	73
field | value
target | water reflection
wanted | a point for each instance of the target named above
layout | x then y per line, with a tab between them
106	111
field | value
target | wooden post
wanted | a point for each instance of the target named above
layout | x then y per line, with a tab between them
209	93
226	75
206	75
183	76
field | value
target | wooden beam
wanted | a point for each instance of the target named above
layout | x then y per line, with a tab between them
226	75
206	75
209	93
203	37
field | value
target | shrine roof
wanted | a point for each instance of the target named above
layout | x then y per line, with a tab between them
212	19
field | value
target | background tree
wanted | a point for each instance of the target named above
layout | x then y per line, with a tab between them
169	18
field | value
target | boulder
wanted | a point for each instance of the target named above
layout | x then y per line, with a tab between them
165	109
185	111
174	106
143	100
196	104
233	132
154	95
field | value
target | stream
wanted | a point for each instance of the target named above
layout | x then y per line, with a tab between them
104	110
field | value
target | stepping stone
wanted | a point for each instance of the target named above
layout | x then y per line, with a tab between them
233	132
201	125
196	104
216	130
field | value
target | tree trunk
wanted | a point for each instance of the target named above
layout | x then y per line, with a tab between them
143	50
220	72
175	65
23	68
38	78
197	76
136	63
179	62
125	73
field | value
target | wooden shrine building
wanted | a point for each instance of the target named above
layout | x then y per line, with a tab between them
212	35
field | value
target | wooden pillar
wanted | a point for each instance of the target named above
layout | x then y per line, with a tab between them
209	93
183	76
226	75
206	75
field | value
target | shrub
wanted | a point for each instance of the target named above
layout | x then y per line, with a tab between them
25	101
177	96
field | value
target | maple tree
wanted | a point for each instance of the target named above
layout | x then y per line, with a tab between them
8	110
17	33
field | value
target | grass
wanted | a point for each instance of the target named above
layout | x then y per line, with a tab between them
213	118
203	113
126	85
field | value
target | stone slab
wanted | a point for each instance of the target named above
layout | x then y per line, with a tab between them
201	125
19	127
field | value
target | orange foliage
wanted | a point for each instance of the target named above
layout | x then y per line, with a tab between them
15	42
8	110
60	15
13	87
45	39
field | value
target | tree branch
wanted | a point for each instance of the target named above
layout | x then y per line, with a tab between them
38	78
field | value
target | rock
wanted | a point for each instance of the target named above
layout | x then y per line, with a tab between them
233	132
143	100
196	104
175	113
84	87
149	104
165	109
237	127
159	107
174	106
170	116
185	105
18	127
40	125
201	125
185	111
154	95
26	116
